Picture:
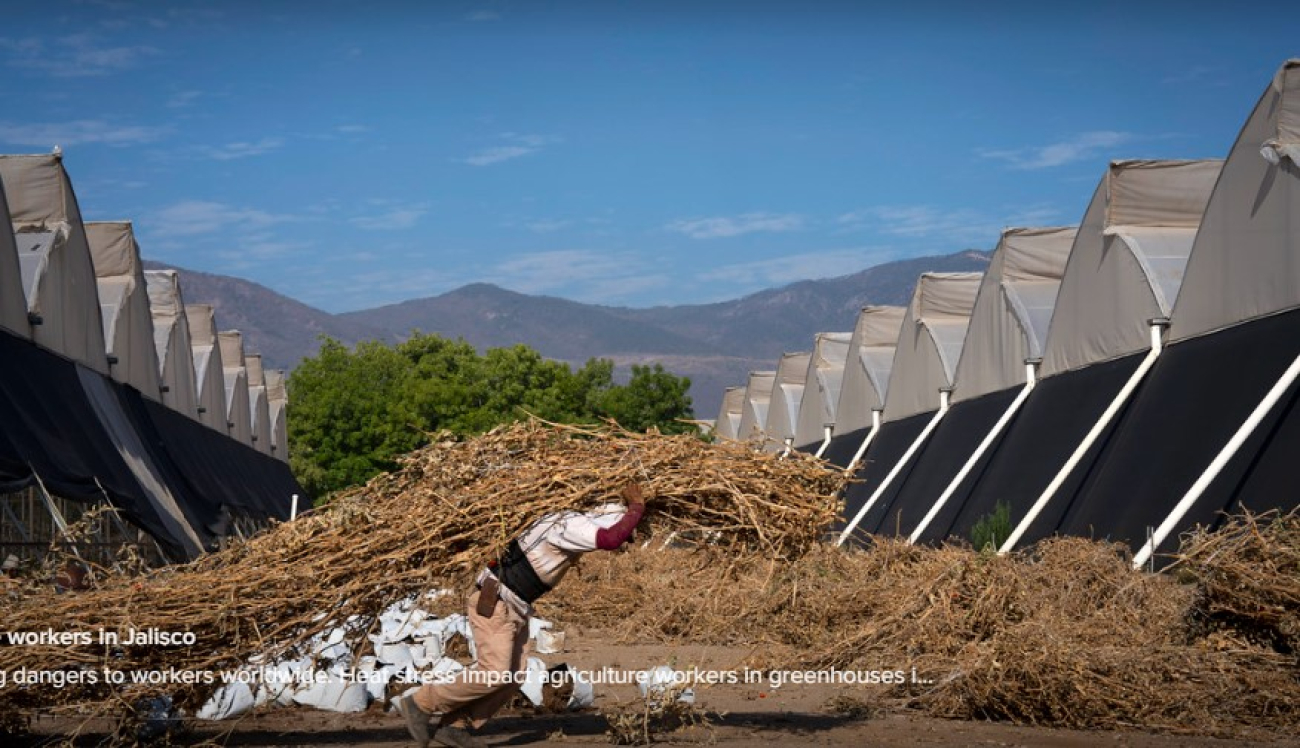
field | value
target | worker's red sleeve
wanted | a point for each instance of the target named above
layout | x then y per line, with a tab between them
610	538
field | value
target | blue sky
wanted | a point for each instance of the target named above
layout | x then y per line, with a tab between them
357	154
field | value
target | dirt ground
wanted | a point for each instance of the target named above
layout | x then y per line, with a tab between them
739	716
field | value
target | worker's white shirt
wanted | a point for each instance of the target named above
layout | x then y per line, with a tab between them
553	543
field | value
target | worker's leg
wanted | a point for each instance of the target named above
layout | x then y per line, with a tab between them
481	710
494	640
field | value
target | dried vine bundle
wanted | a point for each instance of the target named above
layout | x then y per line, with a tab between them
428	525
1249	576
1066	634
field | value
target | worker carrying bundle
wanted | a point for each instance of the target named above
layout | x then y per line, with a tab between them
499	609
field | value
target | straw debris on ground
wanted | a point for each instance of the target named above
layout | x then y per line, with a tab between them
429	525
1064	634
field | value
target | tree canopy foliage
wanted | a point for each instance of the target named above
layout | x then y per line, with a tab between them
355	410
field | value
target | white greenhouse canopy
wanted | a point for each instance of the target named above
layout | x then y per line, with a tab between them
171	337
727	424
124	306
259	408
209	375
1013	311
238	409
822	383
1246	262
758	397
13	302
54	259
930	342
787	394
1128	259
866	370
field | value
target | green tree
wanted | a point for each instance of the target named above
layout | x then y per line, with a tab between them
349	416
653	397
355	410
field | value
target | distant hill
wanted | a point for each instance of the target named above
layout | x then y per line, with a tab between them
716	345
488	316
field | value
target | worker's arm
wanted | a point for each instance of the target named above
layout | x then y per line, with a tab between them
610	538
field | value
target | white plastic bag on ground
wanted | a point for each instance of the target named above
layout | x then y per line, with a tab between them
229	701
334	695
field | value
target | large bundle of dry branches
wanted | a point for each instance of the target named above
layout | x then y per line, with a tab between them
450	507
1249	578
1065	634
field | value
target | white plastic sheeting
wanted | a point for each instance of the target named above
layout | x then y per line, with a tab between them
209	375
822	384
171	336
124	306
1246	260
1121	275
238	409
930	342
54	258
277	397
867	367
1011	316
727	424
408	646
787	395
259	407
758	398
13	302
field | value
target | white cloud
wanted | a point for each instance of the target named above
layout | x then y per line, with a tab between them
73	56
743	277
728	226
241	149
352	129
393	218
1083	146
77	132
194	217
483	15
489	156
591	276
947	224
546	226
517	145
183	99
251	250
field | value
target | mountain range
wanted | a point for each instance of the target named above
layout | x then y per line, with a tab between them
716	345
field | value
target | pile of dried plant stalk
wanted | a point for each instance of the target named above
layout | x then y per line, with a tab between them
1249	580
1066	634
1063	634
429	525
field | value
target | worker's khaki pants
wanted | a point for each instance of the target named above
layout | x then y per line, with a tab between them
499	640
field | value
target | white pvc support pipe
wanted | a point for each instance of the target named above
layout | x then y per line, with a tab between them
866	442
787	446
1031	379
293	510
1157	345
826	442
1220	461
898	467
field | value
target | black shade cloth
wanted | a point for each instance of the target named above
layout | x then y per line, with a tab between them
953	442
885	451
1192	402
80	431
1049	427
844	446
53	429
